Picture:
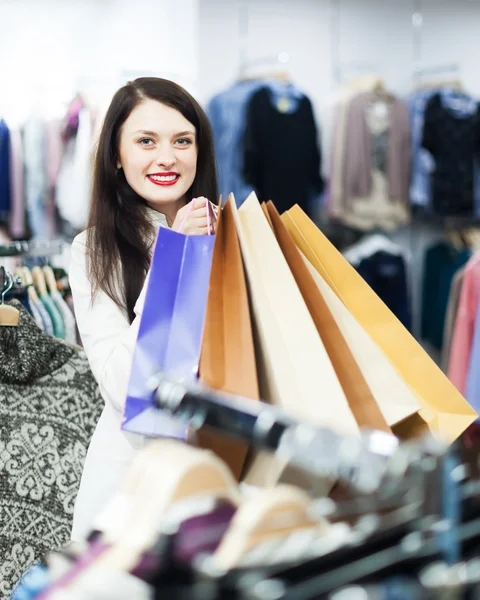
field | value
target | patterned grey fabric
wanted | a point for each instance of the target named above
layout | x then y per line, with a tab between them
49	407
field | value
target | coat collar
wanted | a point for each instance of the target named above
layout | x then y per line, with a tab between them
157	219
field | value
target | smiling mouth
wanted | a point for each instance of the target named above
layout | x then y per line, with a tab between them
167	179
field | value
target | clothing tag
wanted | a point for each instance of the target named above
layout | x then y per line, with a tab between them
283	104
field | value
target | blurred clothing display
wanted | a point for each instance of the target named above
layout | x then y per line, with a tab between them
5	190
267	140
45	174
227	113
465	325
441	263
384	266
371	161
282	159
451	134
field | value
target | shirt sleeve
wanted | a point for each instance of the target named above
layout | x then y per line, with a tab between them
108	338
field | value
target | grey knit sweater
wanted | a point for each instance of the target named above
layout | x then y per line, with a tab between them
49	406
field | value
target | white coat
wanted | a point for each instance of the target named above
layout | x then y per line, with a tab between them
109	341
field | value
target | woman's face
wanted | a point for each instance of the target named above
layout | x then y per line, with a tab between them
158	154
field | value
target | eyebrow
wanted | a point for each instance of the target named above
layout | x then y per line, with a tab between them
153	134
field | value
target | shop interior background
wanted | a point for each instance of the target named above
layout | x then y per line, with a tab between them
51	50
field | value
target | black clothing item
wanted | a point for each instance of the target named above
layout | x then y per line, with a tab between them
386	274
454	141
282	158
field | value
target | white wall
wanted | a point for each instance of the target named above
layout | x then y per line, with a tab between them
49	49
321	35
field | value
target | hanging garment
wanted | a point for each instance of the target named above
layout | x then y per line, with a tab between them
5	157
36	314
282	159
377	163
441	263
47	321
55	316
422	161
452	135
34	161
472	386
66	316
452	309
74	180
17	215
49	407
463	331
227	114
54	160
336	196
386	274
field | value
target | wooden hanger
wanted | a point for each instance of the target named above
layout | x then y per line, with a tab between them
9	315
26	276
50	280
272	513
171	472
39	281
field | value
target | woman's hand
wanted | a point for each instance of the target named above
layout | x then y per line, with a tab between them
198	217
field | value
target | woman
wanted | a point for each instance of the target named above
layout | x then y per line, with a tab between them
154	167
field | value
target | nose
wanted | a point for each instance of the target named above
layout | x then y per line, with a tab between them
166	156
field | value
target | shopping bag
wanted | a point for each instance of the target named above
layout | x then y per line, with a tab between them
363	404
294	370
171	327
395	399
444	411
227	360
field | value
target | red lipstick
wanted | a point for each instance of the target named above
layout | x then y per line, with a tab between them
164	179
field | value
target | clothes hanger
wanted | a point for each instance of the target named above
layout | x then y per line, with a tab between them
172	471
50	280
370	245
39	281
266	519
26	276
9	315
165	472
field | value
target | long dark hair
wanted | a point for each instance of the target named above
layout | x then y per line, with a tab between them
119	232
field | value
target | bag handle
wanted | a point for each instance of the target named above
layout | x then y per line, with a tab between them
185	217
209	218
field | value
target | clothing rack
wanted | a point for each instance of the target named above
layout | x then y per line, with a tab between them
34	248
358	462
437	69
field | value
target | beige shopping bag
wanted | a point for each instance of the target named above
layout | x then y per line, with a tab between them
363	402
443	409
294	370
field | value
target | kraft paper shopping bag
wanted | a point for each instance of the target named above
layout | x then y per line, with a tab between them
444	411
227	361
171	327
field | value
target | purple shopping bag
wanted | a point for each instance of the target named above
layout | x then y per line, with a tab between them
171	327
